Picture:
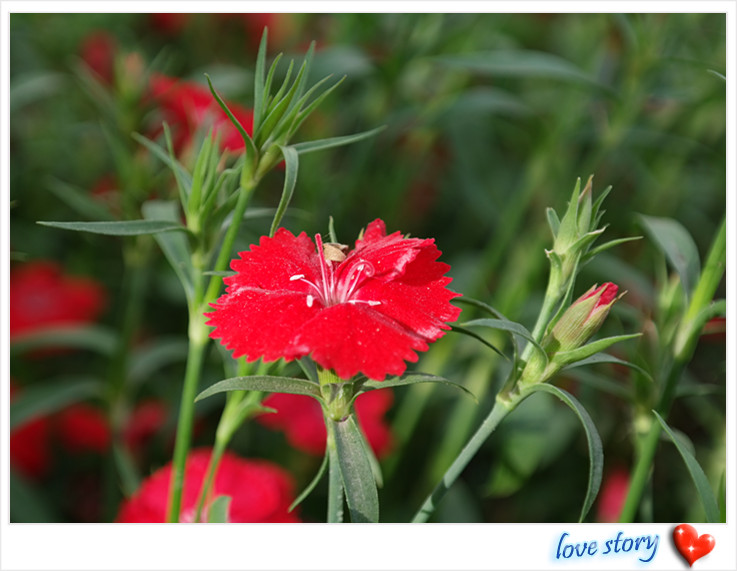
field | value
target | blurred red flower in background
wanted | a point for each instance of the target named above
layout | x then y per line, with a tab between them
261	492
42	296
367	310
83	427
612	495
300	417
98	51
169	24
188	106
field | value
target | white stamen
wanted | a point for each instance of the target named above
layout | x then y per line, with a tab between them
310	300
368	302
296	277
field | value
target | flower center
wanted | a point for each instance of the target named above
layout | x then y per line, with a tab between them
332	289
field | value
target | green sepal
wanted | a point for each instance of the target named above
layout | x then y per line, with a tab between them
119	227
706	494
553	221
355	470
217	511
264	383
596	450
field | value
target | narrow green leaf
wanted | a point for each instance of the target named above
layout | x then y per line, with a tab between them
79	200
175	246
265	94
264	383
150	358
481	305
706	495
180	173
311	486
130	479
509	326
608	245
291	160
464	331
309	368
322	144
596	451
564	358
605	358
92	338
51	396
677	245
410	379
33	86
119	227
198	174
217	512
299	115
521	63
258	83
355	471
250	146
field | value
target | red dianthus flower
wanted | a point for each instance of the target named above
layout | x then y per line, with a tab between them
42	296
367	311
300	417
260	492
83	427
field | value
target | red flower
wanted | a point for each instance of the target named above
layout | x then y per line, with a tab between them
146	419
29	445
187	106
261	492
41	296
367	311
169	24
300	417
98	52
613	494
82	428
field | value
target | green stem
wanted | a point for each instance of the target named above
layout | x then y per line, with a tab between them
195	358
500	410
198	339
221	264
212	467
335	480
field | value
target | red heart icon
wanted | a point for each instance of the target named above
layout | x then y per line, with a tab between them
690	544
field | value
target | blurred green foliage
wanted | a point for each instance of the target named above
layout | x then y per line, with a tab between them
490	119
